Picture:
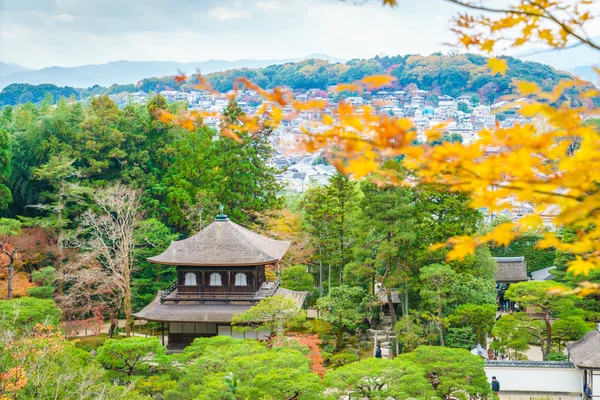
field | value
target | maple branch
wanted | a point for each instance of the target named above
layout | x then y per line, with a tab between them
545	15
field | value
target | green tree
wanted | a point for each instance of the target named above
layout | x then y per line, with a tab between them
8	228
341	196
297	278
511	336
318	220
132	354
151	237
65	191
208	170
415	330
462	106
386	223
281	372
344	308
272	314
460	338
5	169
452	372
53	368
26	312
375	378
479	318
537	294
437	281
44	278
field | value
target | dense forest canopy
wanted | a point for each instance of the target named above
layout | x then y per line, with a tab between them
449	74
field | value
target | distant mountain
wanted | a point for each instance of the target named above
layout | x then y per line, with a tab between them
567	59
10	68
587	72
436	73
124	72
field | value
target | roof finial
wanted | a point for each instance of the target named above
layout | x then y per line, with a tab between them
221	216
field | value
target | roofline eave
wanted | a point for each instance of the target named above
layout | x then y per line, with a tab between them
274	261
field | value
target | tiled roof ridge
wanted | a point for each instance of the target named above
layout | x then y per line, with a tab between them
529	363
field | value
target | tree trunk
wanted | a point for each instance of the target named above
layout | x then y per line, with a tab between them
546	348
60	251
340	333
440	327
12	255
390	301
404	299
113	326
11	273
329	278
127	305
339	338
320	272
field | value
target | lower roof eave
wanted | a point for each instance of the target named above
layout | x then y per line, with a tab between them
186	321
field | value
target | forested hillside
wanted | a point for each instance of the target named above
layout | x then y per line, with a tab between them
438	73
448	74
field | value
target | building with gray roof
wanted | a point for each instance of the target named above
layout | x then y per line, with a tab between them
220	273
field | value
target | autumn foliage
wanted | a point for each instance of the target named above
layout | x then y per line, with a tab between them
537	161
316	358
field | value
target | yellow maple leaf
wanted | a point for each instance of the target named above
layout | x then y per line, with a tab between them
462	246
377	81
581	266
497	66
391	3
527	88
488	45
502	234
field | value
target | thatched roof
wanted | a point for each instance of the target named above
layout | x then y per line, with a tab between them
223	243
381	294
585	353
511	269
215	312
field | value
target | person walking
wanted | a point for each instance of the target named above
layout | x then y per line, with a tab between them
378	352
587	391
495	385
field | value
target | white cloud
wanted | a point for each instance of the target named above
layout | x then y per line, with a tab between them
225	14
63	18
267	5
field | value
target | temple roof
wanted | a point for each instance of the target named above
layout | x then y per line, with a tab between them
511	269
585	353
208	312
223	243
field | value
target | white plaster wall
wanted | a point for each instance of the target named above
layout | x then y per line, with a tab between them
596	385
224	330
523	379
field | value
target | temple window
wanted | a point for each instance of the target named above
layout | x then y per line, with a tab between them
215	279
190	279
240	279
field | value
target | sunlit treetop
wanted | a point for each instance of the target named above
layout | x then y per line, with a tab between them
554	165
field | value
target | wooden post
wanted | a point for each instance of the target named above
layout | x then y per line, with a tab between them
397	346
162	332
375	345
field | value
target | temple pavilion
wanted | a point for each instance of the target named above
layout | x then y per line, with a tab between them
220	273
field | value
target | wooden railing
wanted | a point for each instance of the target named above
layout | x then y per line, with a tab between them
203	293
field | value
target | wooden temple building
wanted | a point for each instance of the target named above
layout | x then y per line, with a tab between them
585	354
220	273
510	270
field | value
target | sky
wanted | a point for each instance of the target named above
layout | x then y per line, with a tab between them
43	33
